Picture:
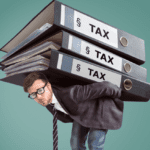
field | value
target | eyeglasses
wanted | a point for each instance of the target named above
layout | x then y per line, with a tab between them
39	91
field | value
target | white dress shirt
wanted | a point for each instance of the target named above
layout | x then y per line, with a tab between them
57	105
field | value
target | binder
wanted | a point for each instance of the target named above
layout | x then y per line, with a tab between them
31	52
90	52
133	89
32	37
33	63
70	44
68	70
24	62
61	16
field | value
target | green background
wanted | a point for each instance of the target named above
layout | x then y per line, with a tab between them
25	125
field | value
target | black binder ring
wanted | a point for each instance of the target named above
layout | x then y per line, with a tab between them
127	67
127	84
124	41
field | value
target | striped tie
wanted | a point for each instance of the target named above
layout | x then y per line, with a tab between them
55	133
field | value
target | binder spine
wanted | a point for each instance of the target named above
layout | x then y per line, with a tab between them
53	58
77	67
99	55
101	34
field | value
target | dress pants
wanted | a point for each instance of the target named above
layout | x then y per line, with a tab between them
96	137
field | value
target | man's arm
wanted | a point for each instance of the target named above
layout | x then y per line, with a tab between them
96	90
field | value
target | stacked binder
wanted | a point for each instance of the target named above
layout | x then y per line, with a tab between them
71	47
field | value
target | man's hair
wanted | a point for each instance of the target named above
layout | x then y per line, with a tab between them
29	80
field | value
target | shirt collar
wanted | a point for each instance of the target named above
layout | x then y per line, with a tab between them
54	99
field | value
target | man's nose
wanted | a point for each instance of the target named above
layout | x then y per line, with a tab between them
39	96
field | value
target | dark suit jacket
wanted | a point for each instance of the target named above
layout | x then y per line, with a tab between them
94	105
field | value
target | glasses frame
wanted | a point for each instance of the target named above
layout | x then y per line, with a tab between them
37	91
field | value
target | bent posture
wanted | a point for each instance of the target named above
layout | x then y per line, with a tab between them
93	108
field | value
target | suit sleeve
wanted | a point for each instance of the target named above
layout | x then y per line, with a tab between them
96	90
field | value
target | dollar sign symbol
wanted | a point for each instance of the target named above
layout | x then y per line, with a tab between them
78	22
87	50
78	67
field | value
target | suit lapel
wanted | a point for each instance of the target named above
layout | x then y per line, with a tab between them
63	97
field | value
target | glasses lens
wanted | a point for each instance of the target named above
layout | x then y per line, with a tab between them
33	95
40	91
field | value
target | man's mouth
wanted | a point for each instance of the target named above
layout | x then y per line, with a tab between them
43	103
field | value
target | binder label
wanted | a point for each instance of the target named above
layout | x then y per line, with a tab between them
100	55
95	29
95	53
89	26
94	73
59	63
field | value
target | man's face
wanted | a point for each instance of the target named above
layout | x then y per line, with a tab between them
45	98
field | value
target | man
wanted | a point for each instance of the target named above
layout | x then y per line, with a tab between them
92	108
